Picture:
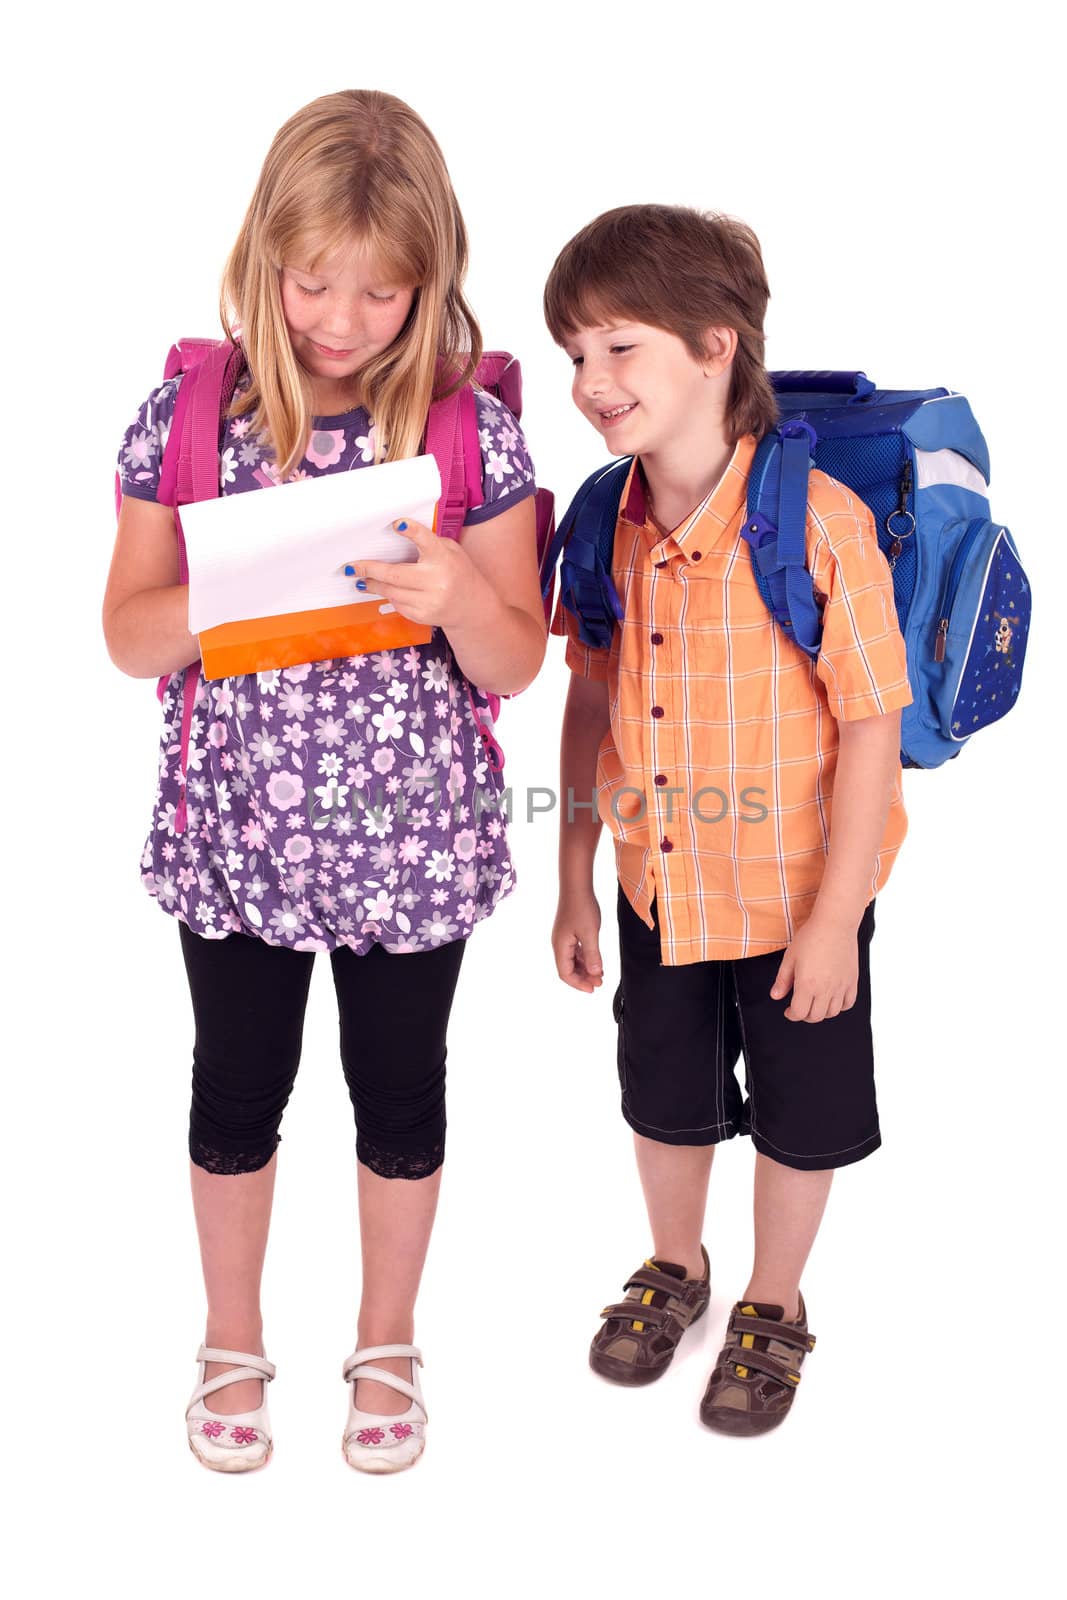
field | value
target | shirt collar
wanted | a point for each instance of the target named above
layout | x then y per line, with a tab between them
719	509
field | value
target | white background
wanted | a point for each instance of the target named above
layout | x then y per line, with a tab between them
897	165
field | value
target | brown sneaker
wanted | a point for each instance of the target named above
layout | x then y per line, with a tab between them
641	1332
758	1370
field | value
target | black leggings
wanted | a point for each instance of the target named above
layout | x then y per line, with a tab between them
248	1001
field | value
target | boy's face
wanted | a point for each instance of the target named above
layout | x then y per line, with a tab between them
638	385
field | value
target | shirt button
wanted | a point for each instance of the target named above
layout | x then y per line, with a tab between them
657	711
660	565
661	778
695	556
657	638
666	846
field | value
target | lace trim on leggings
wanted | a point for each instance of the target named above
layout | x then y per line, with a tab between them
225	1163
388	1164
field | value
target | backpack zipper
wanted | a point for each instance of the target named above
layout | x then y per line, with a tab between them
902	510
951	585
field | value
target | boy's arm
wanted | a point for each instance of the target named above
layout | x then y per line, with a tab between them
863	669
821	965
576	934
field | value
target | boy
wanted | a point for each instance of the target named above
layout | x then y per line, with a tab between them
719	752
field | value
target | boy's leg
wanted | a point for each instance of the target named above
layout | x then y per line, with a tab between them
674	1178
677	1043
787	1209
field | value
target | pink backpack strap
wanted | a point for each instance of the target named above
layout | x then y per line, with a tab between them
190	471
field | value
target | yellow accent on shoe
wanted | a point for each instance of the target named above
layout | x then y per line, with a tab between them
747	1340
646	1300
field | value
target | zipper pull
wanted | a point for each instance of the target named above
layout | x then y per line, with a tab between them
939	643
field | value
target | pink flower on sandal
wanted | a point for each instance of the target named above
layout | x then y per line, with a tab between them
401	1430
370	1435
243	1435
212	1429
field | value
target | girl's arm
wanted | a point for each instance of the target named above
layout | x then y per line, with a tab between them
146	609
576	934
501	645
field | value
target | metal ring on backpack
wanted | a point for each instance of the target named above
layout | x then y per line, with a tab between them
899	511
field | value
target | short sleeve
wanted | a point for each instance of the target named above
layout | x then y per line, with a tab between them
507	471
141	452
583	660
861	663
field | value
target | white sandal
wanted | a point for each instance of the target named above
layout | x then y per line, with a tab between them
375	1443
237	1443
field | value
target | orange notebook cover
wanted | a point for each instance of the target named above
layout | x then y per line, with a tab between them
261	644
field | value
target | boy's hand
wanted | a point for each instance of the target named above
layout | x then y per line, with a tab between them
821	966
576	943
442	589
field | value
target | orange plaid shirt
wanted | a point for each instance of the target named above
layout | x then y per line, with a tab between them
716	776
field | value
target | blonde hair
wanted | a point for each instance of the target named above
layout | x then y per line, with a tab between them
356	166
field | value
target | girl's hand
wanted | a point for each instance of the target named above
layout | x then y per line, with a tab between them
442	589
576	942
821	966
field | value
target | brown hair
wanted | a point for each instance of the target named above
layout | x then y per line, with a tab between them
675	268
354	166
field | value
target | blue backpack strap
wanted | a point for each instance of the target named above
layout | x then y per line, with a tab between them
775	530
586	540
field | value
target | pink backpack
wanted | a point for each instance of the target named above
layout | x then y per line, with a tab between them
190	471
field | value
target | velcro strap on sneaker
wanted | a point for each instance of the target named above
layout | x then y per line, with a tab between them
633	1310
787	1332
763	1361
660	1282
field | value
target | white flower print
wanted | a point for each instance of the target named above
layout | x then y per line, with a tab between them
381	906
331	794
434	675
365	445
441	866
227	468
388	722
497	465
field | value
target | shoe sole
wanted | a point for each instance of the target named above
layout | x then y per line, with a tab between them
236	1464
379	1465
624	1373
739	1424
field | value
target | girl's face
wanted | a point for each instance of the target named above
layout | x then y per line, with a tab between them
339	317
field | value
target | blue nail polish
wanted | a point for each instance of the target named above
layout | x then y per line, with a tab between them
361	583
401	527
350	572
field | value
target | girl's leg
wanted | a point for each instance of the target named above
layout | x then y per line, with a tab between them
394	1013
248	1000
232	1219
788	1207
674	1178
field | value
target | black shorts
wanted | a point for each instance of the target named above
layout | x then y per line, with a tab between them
809	1086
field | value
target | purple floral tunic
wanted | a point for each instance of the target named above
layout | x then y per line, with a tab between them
342	802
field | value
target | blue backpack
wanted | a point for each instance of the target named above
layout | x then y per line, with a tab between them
919	461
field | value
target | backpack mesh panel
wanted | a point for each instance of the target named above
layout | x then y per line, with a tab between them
873	466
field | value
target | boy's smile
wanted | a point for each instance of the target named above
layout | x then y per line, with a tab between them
639	386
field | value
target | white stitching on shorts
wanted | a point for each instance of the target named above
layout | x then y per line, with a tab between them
818	1155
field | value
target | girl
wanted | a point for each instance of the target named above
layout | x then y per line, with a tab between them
346	280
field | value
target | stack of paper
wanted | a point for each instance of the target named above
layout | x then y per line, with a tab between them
266	569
